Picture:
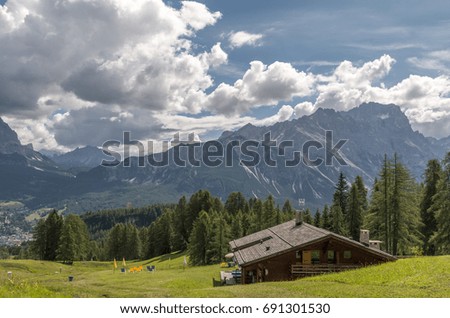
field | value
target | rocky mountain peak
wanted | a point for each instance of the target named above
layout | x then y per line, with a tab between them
9	142
375	113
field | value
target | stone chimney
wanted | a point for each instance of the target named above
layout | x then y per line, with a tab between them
364	237
375	244
298	218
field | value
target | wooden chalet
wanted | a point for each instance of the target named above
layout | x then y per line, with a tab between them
296	249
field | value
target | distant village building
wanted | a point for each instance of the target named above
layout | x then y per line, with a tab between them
296	249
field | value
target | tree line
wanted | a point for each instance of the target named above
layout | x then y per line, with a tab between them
203	226
409	218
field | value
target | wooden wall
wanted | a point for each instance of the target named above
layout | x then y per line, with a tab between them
277	268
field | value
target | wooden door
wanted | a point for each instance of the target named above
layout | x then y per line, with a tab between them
306	259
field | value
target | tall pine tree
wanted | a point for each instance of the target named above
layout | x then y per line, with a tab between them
269	213
427	213
307	217
441	208
236	202
39	243
405	213
326	218
199	240
337	220
74	239
340	196
318	219
218	246
258	217
354	212
393	212
53	225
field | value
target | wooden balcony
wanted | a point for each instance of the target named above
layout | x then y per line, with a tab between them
308	270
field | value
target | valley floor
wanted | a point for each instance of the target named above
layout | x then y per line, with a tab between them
413	277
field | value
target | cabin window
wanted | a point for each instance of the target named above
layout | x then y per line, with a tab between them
330	255
347	254
298	254
315	257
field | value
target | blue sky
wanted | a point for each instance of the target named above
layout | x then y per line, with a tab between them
396	52
307	32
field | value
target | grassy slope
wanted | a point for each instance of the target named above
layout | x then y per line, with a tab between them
416	277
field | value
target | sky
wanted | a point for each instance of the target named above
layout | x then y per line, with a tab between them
79	72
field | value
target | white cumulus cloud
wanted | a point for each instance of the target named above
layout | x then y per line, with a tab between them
130	53
424	100
284	113
304	108
241	38
261	85
77	72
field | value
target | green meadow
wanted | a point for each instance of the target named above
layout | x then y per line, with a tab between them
413	277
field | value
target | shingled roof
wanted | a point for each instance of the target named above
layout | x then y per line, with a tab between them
285	237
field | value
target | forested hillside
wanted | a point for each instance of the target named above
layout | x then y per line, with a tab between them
410	219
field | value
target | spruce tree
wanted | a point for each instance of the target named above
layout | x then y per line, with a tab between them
374	220
386	177
53	226
337	220
278	216
199	201
288	211
218	246
354	212
427	213
362	193
341	193
180	221
326	218
124	242
150	243
66	250
247	221
164	234
39	243
258	218
177	241
307	217
235	202
115	241
318	219
236	226
199	240
217	205
269	213
393	211
441	208
133	242
405	213
74	239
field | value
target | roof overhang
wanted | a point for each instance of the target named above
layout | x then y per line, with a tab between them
369	250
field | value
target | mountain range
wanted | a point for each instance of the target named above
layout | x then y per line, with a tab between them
76	180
